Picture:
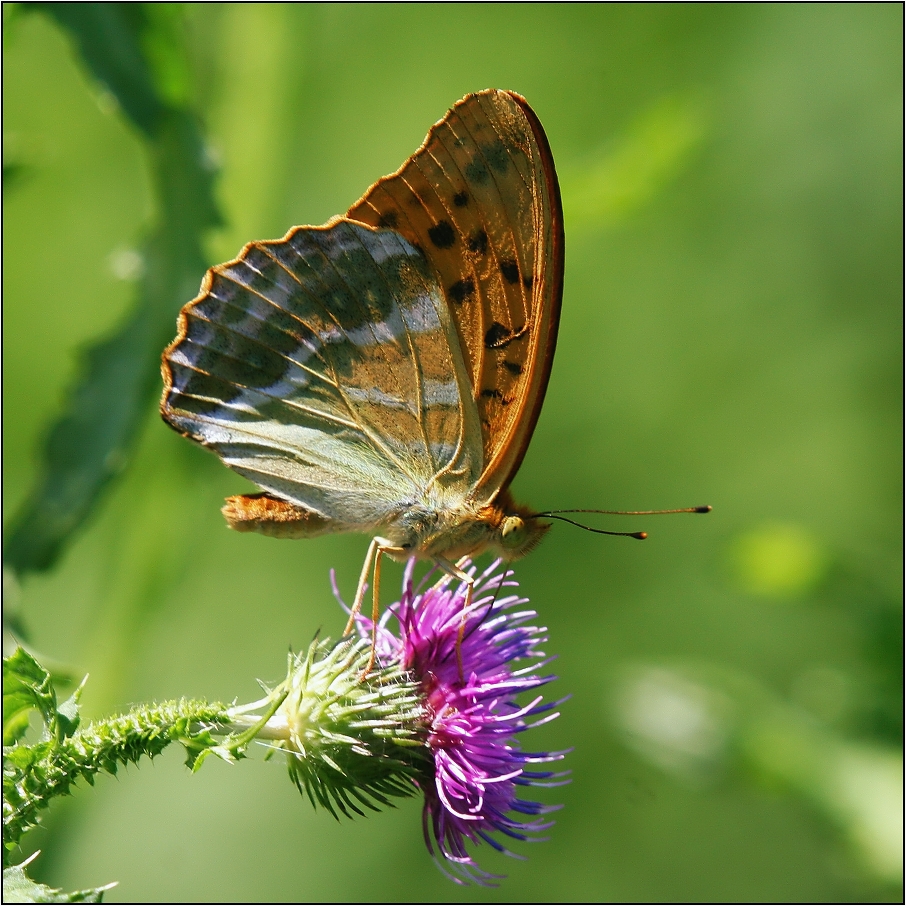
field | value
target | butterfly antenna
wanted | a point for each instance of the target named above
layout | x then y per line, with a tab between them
641	536
688	509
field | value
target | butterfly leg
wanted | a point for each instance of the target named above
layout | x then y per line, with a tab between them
377	548
456	571
360	590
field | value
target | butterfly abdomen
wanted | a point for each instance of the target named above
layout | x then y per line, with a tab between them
271	516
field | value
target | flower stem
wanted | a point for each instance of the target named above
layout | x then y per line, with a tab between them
34	775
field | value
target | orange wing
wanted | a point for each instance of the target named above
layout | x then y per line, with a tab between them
480	199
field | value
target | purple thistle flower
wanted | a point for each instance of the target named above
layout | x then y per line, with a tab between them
472	714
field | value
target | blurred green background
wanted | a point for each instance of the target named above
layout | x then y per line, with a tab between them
731	335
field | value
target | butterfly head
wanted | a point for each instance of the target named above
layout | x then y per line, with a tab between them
515	530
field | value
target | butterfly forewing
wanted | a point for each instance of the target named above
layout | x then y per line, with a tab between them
480	199
325	367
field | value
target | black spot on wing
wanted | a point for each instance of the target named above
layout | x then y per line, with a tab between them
478	242
510	270
462	289
442	235
512	367
476	171
491	393
497	335
388	219
494	155
497	156
461	199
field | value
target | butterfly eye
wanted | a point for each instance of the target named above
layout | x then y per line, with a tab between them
512	530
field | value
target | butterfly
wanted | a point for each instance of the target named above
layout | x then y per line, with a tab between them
383	373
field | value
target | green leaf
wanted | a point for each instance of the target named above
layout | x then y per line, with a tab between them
165	51
26	686
15	727
108	37
23	758
91	441
195	759
68	716
18	887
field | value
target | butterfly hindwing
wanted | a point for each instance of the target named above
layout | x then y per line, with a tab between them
480	198
325	367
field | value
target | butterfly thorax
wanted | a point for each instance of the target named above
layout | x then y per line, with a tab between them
434	529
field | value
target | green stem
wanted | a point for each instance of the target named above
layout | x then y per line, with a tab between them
34	775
